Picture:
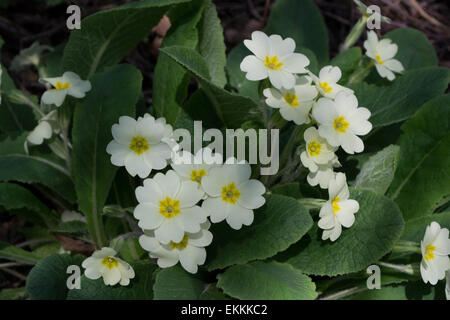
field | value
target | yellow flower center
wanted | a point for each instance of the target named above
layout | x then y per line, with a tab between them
230	193
180	245
379	59
272	63
429	252
110	262
197	175
325	87
340	125
139	145
291	99
314	148
335	205
61	86
169	208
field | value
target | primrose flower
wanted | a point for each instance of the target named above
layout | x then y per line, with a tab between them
327	81
232	194
435	248
190	251
295	103
42	131
68	84
382	52
139	145
339	210
341	121
324	174
273	58
167	205
104	263
318	151
194	168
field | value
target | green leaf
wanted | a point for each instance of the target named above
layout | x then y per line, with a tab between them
414	49
281	222
231	108
140	288
13	294
108	35
302	21
415	228
14	196
114	93
38	170
13	143
211	44
266	281
413	290
171	80
347	61
176	284
377	226
422	178
378	171
290	190
47	279
213	293
13	253
71	227
401	99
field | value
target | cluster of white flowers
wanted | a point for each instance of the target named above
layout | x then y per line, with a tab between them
68	84
306	98
174	207
435	248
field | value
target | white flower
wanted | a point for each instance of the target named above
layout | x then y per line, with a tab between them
68	216
295	103
232	195
326	83
194	168
69	84
435	248
341	121
274	58
383	52
190	251
319	158
318	151
104	263
324	174
338	211
167	205
140	145
42	131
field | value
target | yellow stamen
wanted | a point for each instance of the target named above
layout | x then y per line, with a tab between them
139	145
429	252
340	125
180	245
379	59
169	208
272	63
230	193
314	148
291	99
110	262
325	87
61	86
335	205
197	175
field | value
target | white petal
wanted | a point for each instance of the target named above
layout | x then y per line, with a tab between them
136	164
169	183
217	209
254	68
295	63
239	216
251	192
191	218
118	153
189	194
148	216
394	65
259	45
170	230
54	96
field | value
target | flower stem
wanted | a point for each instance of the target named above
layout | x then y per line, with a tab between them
407	247
361	73
311	203
355	33
410	269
